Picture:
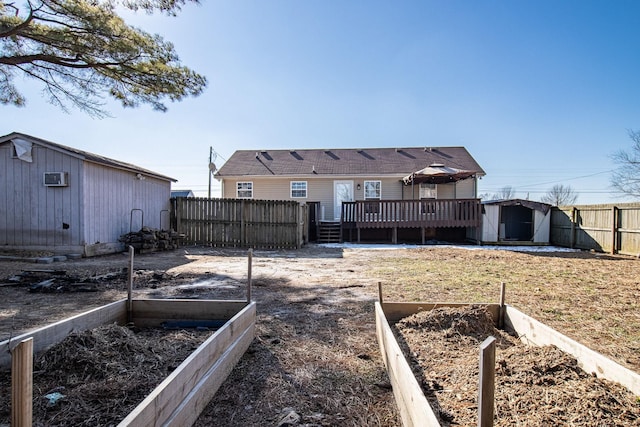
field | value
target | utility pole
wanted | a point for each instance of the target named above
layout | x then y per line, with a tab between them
209	168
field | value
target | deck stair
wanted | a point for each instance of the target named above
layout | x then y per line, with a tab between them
329	232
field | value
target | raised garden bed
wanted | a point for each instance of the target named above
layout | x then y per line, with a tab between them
547	359
184	393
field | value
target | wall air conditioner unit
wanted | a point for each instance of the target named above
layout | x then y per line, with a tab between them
56	179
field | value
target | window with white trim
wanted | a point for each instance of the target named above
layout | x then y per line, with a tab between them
372	190
244	190
298	189
428	191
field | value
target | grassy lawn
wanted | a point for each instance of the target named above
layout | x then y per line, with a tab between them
593	298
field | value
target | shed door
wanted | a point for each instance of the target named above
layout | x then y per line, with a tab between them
518	223
342	192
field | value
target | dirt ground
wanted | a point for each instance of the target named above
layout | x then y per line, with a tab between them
443	348
315	360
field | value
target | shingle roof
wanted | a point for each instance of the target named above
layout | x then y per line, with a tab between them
95	158
181	193
367	161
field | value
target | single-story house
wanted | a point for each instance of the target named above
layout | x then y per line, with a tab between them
515	221
182	193
409	193
65	200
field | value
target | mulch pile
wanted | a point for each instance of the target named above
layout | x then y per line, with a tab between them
98	377
535	386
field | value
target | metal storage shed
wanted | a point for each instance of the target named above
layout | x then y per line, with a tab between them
60	199
515	221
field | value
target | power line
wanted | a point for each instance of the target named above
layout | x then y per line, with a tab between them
566	179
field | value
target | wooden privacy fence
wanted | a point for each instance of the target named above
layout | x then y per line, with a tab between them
605	228
266	224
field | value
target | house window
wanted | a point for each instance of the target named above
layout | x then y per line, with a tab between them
299	189
244	190
428	191
372	190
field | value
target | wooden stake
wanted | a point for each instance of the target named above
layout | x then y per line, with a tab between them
380	292
250	259
22	384
487	382
130	286
502	310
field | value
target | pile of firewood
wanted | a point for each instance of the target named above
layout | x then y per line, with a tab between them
151	240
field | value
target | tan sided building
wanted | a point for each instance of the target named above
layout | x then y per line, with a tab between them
408	193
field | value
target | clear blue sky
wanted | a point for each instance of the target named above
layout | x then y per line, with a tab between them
539	92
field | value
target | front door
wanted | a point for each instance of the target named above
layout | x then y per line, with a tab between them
342	192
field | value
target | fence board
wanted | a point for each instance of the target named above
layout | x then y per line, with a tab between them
604	228
265	224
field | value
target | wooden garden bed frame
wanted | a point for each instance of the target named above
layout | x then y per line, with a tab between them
182	396
413	405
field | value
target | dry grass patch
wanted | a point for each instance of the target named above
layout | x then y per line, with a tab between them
593	298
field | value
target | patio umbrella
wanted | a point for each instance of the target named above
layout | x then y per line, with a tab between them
437	174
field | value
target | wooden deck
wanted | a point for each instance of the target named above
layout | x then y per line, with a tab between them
412	213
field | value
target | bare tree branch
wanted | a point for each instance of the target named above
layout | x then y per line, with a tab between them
560	195
626	178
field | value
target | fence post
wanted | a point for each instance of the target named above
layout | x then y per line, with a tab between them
614	230
574	217
243	230
301	225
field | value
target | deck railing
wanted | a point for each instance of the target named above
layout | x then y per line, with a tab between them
412	213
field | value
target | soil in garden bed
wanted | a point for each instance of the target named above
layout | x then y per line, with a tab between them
97	377
535	386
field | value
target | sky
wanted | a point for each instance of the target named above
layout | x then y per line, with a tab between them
539	92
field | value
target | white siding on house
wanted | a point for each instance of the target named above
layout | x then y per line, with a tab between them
318	189
465	189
